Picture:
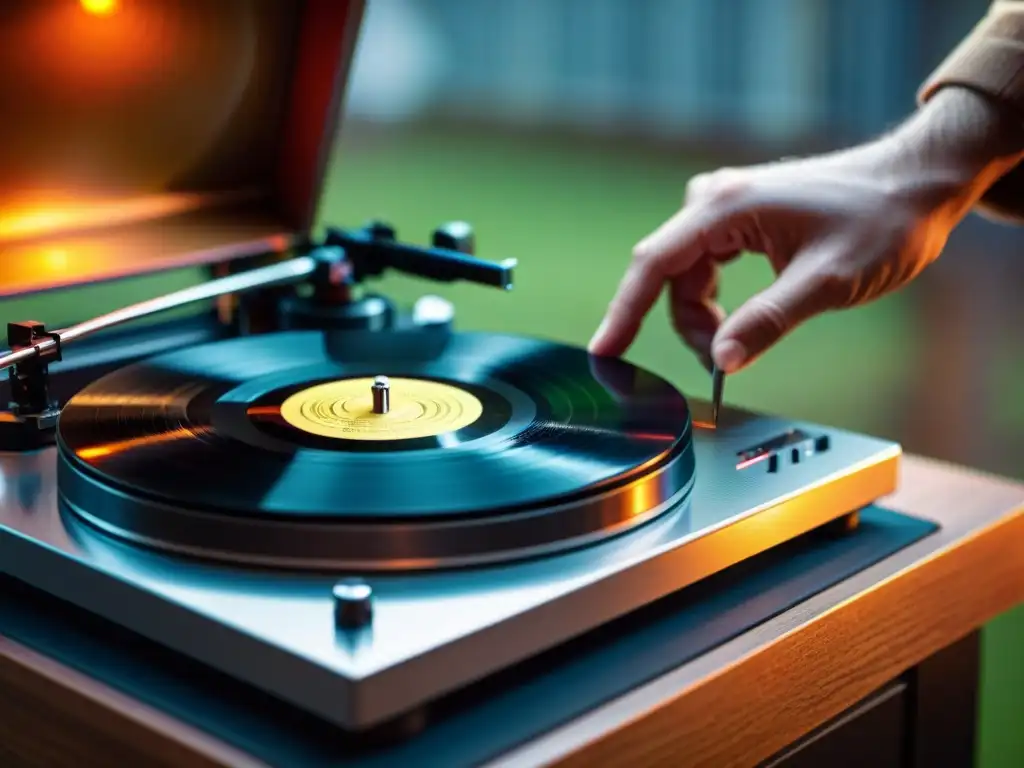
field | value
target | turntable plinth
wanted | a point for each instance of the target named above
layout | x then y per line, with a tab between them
878	637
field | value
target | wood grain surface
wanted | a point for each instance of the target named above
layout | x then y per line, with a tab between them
743	702
734	706
53	716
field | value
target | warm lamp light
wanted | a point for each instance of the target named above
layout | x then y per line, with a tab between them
100	7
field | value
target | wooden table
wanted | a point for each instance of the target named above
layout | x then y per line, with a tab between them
849	652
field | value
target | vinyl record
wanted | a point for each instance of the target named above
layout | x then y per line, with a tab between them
267	449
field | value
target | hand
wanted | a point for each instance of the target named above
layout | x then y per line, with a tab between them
839	230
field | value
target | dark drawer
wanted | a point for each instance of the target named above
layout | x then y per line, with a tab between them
871	733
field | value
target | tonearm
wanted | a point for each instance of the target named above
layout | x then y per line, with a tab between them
332	269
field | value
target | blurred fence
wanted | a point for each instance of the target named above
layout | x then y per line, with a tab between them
756	74
757	70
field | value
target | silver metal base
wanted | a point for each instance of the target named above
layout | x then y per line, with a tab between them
433	633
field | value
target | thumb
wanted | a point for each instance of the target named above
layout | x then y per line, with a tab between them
801	291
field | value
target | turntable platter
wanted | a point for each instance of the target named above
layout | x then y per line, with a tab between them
273	449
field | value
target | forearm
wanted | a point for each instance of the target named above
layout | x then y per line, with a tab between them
958	144
970	126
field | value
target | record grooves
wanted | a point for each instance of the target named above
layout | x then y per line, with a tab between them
495	447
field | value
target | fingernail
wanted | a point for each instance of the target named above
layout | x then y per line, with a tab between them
702	342
729	355
707	362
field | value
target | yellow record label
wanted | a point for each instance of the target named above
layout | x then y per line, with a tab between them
344	409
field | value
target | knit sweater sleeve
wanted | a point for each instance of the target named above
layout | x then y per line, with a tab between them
990	60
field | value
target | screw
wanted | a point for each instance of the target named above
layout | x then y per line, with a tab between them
353	604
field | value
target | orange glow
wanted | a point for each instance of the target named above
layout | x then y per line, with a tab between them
112	449
264	411
29	221
146	247
56	259
87	400
100	7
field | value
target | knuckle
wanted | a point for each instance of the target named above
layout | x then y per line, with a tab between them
695	187
768	313
641	252
646	258
717	187
726	186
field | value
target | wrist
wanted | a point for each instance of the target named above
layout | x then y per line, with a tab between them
953	149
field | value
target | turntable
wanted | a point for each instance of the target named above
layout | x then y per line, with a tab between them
344	504
362	521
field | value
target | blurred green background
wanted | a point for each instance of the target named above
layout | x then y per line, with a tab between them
564	131
571	212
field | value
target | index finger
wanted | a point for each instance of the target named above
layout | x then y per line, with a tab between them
671	250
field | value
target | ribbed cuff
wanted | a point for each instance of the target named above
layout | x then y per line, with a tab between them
990	60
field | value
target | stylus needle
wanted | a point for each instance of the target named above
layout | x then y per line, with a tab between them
717	386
